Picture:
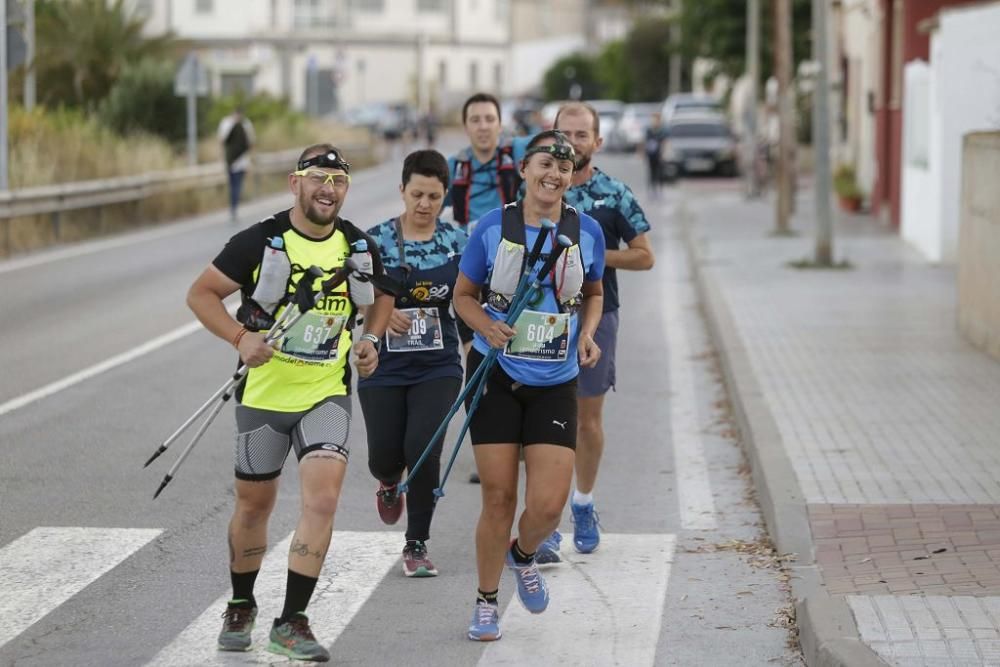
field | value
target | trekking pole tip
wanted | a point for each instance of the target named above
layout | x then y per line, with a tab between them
155	455
403	487
163	485
439	492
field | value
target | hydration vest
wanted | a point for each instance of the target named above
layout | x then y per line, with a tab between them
566	277
272	283
508	181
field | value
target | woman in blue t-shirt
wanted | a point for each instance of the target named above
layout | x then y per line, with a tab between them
420	371
530	398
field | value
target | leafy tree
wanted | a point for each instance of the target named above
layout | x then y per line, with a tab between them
647	56
84	46
143	100
717	29
613	71
576	68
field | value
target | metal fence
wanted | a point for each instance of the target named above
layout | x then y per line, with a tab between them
55	199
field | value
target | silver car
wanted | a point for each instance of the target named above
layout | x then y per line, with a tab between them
699	144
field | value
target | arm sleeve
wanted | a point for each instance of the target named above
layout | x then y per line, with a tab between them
633	214
473	263
241	255
590	227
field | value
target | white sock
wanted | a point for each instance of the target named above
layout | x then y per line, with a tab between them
583	498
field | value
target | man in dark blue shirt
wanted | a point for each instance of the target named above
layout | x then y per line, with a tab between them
612	204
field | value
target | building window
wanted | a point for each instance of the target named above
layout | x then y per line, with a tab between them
204	6
430	6
473	75
314	14
233	84
498	75
443	73
372	6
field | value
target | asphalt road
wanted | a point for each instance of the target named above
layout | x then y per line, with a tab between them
101	362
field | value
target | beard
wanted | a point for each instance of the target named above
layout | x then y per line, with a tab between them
313	215
581	162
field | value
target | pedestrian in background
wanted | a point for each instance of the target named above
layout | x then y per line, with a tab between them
237	138
656	134
420	367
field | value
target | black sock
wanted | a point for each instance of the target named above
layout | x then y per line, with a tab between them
520	557
490	597
243	585
299	590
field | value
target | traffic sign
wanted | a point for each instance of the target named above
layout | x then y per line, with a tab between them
17	48
191	75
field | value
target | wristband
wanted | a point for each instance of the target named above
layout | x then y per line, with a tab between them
373	339
238	337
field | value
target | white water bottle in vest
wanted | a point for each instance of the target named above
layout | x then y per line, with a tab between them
359	282
272	277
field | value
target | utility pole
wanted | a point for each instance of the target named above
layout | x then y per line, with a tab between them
29	65
4	108
750	114
786	129
674	85
821	136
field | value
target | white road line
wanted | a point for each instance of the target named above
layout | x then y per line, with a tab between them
694	489
99	368
606	608
355	565
46	567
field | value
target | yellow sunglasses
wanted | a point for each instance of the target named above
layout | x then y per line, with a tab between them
320	178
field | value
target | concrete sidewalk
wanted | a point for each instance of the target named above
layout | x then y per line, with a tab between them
872	427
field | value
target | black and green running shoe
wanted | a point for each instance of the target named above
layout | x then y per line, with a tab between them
238	622
295	639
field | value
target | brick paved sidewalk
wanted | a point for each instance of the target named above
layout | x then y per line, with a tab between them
888	418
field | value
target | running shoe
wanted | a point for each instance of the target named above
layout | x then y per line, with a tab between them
485	626
531	588
295	639
389	502
238	621
548	551
586	530
415	561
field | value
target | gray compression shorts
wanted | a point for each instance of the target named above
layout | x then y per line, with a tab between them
264	437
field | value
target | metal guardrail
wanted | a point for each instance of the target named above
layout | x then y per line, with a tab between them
55	199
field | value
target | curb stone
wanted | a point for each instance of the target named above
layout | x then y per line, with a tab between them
828	634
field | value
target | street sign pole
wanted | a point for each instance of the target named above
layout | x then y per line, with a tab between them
29	71
4	184
192	112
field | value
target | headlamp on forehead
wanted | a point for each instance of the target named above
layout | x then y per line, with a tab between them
560	150
331	159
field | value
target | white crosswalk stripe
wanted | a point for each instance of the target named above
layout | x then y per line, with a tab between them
47	566
354	567
606	608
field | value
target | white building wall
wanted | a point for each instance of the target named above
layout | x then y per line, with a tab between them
920	204
968	93
530	59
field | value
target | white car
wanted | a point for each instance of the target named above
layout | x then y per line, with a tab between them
631	131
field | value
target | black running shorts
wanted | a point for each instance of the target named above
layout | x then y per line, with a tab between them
509	411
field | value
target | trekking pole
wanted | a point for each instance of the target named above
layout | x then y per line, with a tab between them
303	286
522	286
491	357
304	299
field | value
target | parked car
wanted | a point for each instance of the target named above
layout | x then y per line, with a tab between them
631	129
699	144
689	103
389	121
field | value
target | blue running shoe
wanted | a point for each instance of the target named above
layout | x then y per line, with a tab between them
485	626
586	531
548	551
531	588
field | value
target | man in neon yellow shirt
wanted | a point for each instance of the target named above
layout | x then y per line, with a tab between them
295	396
